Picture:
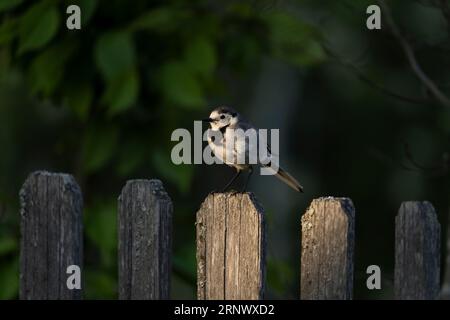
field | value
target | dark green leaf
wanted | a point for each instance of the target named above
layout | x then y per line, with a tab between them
131	156
122	92
114	55
443	120
180	175
200	56
180	86
293	40
47	69
7	245
9	4
160	20
88	8
99	147
38	26
184	260
279	275
100	285
8	31
9	278
241	9
79	98
101	226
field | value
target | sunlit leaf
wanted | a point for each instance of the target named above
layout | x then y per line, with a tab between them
180	86
38	26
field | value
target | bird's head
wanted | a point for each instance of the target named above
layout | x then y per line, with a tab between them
222	117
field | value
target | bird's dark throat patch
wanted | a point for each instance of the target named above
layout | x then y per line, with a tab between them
223	129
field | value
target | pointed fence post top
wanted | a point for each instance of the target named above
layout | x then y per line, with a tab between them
417	251
421	209
230	247
339	206
144	186
51	235
327	250
67	181
247	199
145	240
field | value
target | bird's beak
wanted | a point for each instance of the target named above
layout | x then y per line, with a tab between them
208	120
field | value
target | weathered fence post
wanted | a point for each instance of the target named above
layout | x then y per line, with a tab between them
230	247
52	240
445	294
328	233
417	255
145	241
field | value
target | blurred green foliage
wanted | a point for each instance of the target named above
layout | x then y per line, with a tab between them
101	102
120	85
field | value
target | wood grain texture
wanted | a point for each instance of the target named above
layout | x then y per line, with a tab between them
230	247
445	293
145	241
52	240
417	252
327	245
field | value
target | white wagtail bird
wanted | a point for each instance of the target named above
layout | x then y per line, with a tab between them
226	121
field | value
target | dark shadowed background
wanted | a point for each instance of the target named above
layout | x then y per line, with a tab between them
101	103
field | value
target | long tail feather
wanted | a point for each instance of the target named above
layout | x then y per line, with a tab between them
289	180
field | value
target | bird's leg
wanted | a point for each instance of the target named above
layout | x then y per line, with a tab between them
248	179
232	180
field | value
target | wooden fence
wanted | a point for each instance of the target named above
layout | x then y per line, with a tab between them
231	245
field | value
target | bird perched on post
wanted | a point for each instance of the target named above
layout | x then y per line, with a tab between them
226	121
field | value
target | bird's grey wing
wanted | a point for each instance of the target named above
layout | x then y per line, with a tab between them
245	148
216	143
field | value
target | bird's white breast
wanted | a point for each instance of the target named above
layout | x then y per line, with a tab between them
237	154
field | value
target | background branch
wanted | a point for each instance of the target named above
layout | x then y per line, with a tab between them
409	52
370	82
443	4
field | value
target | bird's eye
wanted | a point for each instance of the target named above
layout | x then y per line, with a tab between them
222	117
